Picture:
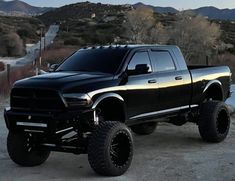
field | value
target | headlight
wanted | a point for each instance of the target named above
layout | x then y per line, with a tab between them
77	99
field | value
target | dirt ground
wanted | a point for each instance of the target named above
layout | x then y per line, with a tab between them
170	153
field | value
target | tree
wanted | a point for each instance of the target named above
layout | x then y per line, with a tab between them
195	35
141	27
11	45
158	34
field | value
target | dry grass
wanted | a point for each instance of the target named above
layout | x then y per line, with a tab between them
227	59
56	54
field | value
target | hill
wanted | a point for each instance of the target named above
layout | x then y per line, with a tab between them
19	7
215	13
157	9
95	23
210	11
88	23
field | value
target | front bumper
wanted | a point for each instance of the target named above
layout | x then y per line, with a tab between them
45	122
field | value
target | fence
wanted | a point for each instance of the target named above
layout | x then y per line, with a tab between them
12	74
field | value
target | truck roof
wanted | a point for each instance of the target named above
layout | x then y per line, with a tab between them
131	46
179	58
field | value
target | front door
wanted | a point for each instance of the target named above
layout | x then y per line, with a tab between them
141	89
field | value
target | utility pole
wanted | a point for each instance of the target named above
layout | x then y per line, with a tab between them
44	41
207	60
40	51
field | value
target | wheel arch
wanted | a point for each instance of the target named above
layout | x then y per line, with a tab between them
214	90
112	106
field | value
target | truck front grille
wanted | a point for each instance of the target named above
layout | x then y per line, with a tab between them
36	100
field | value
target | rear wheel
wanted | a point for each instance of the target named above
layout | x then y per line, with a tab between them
20	150
214	121
144	129
110	149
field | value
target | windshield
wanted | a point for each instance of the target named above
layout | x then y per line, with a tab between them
94	60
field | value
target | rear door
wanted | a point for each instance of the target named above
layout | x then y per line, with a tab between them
172	82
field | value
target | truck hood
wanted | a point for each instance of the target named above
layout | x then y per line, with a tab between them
62	80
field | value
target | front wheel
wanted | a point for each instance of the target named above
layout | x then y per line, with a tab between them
110	149
214	121
20	150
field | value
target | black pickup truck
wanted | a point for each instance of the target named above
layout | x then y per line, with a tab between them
87	104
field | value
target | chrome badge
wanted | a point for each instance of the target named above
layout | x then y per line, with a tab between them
29	117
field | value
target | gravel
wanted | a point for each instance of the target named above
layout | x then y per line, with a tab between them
170	153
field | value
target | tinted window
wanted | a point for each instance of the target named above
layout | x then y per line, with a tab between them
162	61
139	58
94	60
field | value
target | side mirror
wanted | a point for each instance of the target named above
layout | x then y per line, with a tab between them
53	67
139	69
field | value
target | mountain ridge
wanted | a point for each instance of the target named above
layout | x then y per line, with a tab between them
209	11
20	7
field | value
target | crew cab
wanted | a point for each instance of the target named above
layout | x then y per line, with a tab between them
88	104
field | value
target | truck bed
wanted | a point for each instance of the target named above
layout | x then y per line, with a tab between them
191	67
202	76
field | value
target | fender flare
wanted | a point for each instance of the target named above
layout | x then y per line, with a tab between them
105	96
211	83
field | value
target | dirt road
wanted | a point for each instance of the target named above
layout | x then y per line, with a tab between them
171	153
33	51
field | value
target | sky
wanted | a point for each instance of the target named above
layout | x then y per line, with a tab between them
178	4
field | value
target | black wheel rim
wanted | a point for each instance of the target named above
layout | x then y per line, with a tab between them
120	149
222	122
28	143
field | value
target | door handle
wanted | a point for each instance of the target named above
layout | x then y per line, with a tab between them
153	81
179	78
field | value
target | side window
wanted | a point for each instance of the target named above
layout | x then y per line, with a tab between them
138	59
162	61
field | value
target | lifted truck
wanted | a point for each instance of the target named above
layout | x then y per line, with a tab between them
86	104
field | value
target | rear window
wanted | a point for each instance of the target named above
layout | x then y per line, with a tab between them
162	61
94	60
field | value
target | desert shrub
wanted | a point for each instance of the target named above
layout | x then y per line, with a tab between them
23	32
74	41
195	35
11	45
228	60
34	21
64	35
71	41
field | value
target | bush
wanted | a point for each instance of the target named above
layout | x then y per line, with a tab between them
74	41
228	60
11	45
23	32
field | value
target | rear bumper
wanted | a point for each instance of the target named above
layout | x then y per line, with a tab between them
45	122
